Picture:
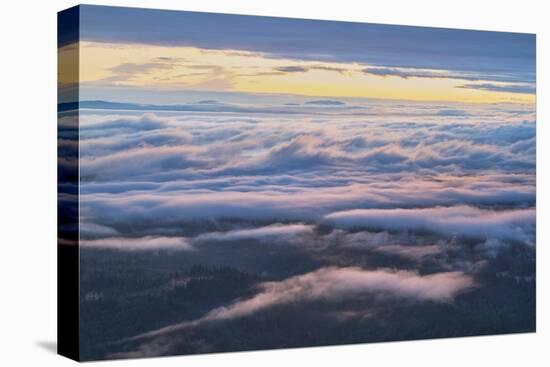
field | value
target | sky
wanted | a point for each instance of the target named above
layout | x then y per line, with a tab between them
157	50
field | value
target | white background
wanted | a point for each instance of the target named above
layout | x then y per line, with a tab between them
28	182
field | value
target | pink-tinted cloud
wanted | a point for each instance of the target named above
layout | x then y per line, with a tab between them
336	284
457	220
271	232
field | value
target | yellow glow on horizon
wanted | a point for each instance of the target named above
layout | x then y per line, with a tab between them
67	65
191	68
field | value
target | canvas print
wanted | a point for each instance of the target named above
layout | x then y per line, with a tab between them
236	183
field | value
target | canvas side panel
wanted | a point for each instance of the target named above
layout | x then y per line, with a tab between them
68	338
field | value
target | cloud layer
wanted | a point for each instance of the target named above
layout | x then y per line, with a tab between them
330	206
142	243
173	173
453	221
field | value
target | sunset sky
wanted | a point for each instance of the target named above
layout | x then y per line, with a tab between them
145	50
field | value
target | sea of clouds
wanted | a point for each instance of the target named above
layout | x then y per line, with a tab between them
157	173
401	178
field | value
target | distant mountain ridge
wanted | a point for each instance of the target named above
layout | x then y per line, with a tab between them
203	106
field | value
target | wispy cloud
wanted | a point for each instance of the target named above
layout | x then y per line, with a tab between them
507	88
292	69
406	73
412	73
336	284
139	243
459	220
266	233
126	72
